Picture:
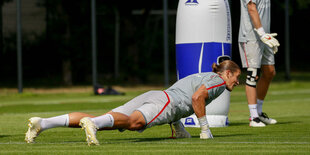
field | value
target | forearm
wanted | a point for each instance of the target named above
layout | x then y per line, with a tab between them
199	107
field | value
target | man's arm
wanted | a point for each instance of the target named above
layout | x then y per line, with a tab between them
198	101
199	106
266	38
254	15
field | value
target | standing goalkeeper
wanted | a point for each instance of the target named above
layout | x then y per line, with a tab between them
257	47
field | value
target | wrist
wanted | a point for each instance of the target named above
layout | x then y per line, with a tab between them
260	31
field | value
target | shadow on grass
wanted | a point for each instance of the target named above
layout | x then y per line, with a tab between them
144	139
292	122
247	124
228	135
136	140
239	124
3	136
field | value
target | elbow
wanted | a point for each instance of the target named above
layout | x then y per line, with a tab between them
252	11
252	8
195	99
199	97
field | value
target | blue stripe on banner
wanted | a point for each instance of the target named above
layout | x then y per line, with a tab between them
227	49
188	55
187	58
210	54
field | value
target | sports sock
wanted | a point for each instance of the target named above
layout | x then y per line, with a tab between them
253	110
103	121
52	122
260	106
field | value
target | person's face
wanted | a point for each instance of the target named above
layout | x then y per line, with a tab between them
232	79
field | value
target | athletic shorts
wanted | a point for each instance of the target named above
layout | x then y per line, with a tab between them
154	105
255	53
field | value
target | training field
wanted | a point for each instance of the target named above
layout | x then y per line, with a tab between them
289	103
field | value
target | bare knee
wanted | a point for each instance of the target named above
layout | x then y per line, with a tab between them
269	74
135	123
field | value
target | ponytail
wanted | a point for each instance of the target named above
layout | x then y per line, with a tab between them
225	65
214	68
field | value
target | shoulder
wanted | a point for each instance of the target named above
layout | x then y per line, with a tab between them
213	80
245	2
214	77
218	83
215	86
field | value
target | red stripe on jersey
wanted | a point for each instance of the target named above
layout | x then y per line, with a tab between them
161	109
246	59
222	78
216	85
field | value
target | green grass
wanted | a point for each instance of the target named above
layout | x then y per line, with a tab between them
289	103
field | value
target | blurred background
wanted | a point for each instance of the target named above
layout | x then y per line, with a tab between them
57	48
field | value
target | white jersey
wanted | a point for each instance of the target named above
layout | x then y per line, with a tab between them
246	30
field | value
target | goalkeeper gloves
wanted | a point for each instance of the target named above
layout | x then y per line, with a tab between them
268	39
205	131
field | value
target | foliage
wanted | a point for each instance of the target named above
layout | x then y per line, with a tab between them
68	39
303	4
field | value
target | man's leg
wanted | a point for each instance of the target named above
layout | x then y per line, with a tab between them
111	120
268	72
37	125
121	121
75	117
251	97
251	93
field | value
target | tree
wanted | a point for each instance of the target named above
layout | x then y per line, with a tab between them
67	32
1	23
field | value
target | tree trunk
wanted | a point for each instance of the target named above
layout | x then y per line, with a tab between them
66	57
1	28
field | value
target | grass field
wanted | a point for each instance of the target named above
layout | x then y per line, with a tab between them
289	103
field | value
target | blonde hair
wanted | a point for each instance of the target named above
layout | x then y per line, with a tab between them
225	65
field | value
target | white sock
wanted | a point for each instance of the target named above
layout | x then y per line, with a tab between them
52	122
260	106
103	121
253	110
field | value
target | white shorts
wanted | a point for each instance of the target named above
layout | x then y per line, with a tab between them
154	105
255	53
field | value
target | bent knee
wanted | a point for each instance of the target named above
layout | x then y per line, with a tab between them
269	74
134	127
135	124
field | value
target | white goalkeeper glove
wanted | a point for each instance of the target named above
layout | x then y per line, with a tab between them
268	39
205	131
